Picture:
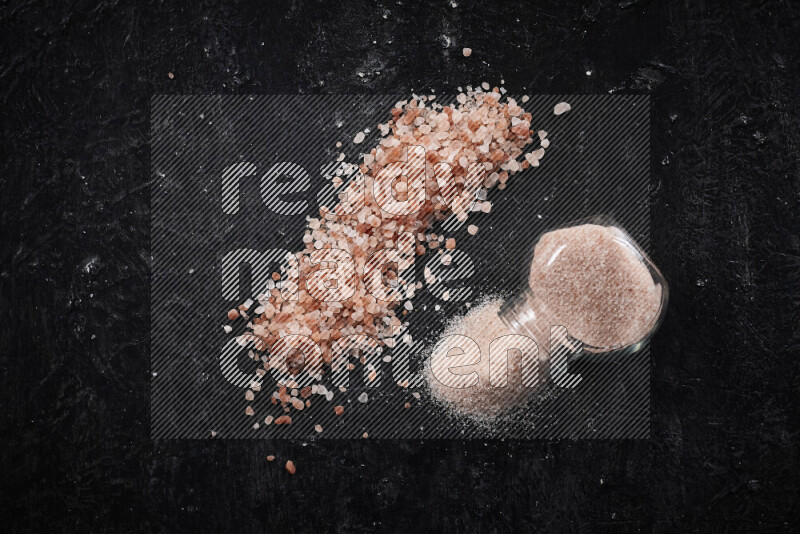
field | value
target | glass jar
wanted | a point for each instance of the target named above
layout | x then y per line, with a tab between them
592	278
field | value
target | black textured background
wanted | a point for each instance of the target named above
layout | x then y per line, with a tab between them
75	82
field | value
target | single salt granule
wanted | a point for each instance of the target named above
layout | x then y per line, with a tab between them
290	467
283	420
561	108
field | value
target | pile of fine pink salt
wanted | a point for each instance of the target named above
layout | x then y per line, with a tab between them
482	400
595	285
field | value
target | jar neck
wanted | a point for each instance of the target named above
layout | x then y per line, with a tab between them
527	314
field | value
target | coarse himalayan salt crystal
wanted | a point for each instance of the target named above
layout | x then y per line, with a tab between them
467	52
290	468
594	285
483	325
472	229
561	107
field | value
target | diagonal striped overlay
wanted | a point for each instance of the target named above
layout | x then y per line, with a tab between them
239	174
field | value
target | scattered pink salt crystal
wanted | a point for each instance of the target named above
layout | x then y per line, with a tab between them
561	107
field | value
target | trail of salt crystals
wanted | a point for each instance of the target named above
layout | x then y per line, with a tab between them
343	290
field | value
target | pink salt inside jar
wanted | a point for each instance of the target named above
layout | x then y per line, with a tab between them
595	281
